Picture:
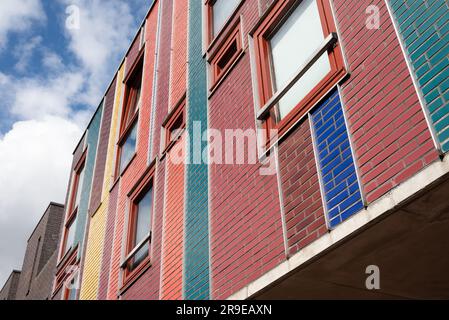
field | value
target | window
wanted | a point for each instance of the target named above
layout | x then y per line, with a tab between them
71	287
175	123
219	12
226	55
128	147
299	59
139	227
74	202
128	126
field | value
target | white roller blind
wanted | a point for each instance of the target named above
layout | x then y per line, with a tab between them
291	46
222	10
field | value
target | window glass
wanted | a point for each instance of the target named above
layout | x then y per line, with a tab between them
128	148
70	236
222	10
143	226
292	45
79	188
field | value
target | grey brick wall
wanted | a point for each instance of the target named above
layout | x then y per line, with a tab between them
9	289
39	263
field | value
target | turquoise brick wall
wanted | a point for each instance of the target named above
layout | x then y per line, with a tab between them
424	28
196	257
92	140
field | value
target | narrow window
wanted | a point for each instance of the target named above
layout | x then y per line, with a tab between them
72	211
175	123
128	127
219	12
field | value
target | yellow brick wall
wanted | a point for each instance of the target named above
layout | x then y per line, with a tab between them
95	240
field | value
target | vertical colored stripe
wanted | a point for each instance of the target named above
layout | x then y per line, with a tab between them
336	163
424	28
196	257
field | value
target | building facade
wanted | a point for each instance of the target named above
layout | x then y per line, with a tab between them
267	149
35	280
9	290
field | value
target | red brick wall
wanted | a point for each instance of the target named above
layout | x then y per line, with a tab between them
303	206
391	138
173	238
163	78
139	164
132	54
179	52
246	229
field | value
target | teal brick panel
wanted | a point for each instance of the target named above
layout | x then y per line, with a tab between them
196	256
424	29
92	140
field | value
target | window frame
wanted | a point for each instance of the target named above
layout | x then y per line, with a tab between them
217	73
269	24
138	192
128	121
209	9
72	211
167	125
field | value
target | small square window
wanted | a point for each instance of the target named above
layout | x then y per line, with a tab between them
175	123
224	57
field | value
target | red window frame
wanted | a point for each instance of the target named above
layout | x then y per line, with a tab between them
222	54
209	8
144	185
262	36
62	275
72	211
133	83
177	117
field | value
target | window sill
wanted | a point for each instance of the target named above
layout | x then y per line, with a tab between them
134	276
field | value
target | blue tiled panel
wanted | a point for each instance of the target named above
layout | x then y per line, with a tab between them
92	140
341	188
196	256
424	28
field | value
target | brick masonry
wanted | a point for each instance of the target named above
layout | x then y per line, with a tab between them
336	163
390	135
196	250
9	290
39	263
424	29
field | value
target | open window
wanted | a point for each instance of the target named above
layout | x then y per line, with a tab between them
128	125
138	244
298	60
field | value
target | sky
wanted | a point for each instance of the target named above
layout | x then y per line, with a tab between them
53	75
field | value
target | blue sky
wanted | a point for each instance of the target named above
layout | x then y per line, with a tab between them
51	80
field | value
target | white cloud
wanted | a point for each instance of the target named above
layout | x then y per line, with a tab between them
37	98
24	52
18	16
105	30
35	157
